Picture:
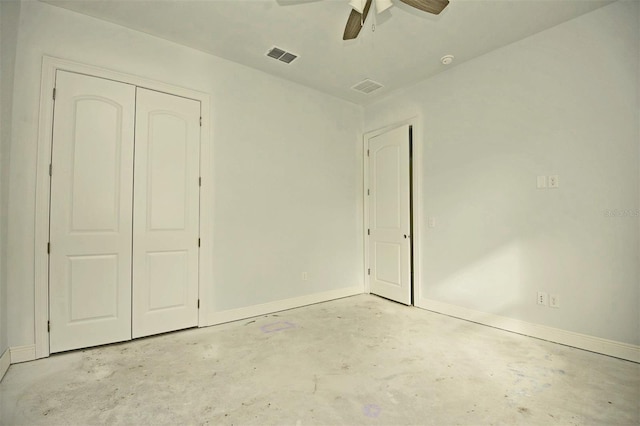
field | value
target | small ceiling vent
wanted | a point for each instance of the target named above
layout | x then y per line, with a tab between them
367	86
281	55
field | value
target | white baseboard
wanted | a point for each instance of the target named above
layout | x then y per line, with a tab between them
5	362
22	353
577	340
279	305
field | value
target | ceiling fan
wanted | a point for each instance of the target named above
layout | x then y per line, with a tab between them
360	10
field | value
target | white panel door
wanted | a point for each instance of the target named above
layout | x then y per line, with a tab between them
166	213
389	216
90	217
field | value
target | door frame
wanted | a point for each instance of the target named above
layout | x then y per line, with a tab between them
415	197
50	65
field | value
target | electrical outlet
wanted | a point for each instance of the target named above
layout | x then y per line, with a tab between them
554	300
554	182
542	298
304	276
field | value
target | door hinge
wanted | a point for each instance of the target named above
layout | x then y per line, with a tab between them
199	181
368	154
198	303
54	93
368	192
200	121
369	271
49	248
198	242
48	326
368	231
50	169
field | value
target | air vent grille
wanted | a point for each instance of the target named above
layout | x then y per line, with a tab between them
288	57
275	53
281	55
367	86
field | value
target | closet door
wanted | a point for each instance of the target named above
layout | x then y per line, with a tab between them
90	216
166	213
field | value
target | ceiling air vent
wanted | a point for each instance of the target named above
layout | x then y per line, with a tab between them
281	55
367	86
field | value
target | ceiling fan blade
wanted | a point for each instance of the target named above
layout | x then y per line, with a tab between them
430	6
355	22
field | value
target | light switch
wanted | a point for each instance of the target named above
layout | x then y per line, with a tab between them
542	182
553	181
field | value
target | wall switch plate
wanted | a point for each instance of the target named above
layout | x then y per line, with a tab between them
554	300
542	182
542	298
554	182
304	276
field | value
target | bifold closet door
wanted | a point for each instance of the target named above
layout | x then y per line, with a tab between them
165	213
90	216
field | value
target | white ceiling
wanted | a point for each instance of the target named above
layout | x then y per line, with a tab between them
405	47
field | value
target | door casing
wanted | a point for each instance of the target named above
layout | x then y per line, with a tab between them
415	203
45	125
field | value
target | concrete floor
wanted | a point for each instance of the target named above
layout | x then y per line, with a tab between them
359	360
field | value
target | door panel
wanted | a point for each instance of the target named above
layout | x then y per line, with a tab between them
167	185
166	213
93	287
168	271
91	202
95	184
386	182
389	216
387	260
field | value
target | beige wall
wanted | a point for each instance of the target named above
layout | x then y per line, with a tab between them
9	17
286	166
562	102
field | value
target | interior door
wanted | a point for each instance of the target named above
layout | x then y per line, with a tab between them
166	213
389	215
90	216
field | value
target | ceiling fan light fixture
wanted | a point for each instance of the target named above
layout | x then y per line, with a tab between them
382	5
360	10
358	5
